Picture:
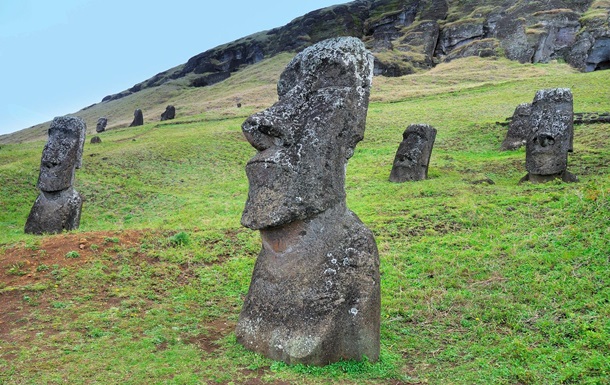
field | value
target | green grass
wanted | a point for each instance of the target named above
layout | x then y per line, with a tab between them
481	284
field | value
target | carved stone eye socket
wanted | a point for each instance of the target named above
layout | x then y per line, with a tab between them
544	140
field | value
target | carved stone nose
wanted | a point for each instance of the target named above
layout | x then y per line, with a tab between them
262	132
254	129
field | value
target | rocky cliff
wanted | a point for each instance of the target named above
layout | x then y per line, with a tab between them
410	35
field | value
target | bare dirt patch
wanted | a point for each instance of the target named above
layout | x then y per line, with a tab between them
214	331
22	266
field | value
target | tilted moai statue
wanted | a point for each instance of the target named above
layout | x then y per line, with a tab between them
519	129
138	118
314	297
413	154
552	136
170	113
101	125
58	207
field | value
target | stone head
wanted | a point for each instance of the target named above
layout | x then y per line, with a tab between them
305	139
413	154
552	132
62	154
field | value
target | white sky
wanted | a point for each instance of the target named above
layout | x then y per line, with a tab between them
58	56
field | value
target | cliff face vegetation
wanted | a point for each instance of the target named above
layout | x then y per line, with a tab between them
410	35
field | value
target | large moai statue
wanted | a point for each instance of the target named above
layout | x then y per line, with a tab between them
314	297
413	154
519	129
138	118
101	125
58	207
551	138
169	113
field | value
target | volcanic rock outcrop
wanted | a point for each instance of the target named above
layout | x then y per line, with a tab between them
408	35
58	207
314	297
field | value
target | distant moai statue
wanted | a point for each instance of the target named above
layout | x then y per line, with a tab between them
170	113
58	206
138	118
101	124
314	297
519	129
413	154
552	137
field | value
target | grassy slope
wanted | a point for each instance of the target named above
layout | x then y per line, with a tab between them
494	284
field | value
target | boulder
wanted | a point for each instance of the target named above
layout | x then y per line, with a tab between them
96	140
314	297
170	113
138	118
413	154
101	125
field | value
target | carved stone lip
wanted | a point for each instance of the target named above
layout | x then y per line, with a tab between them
267	157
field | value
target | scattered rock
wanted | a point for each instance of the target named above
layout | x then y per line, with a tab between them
413	154
170	113
96	139
314	296
58	207
138	118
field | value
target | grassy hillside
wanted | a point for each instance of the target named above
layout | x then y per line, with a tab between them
481	283
253	87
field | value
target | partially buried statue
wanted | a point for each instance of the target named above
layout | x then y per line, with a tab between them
58	207
551	137
413	154
314	297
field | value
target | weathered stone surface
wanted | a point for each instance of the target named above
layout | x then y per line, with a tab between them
169	113
138	118
101	125
552	136
96	140
314	297
519	129
62	154
480	48
413	154
599	57
58	206
54	212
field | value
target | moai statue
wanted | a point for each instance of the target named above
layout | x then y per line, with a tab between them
138	118
413	154
552	136
58	207
520	128
170	113
101	125
314	297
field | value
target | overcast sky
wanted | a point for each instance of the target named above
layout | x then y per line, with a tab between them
58	56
